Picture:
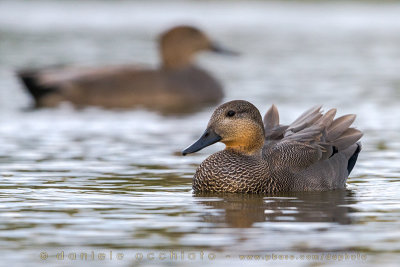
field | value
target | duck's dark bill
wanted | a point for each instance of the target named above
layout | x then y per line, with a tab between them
208	138
222	50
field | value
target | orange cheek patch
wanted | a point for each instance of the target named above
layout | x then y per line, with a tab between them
245	138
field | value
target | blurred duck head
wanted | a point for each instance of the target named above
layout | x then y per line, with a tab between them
179	44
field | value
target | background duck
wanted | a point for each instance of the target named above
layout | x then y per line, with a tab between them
315	152
176	86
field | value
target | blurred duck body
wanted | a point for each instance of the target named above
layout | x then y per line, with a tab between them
176	86
314	153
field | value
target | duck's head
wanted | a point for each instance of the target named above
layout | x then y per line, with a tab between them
237	124
179	44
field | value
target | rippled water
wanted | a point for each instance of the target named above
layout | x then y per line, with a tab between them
96	181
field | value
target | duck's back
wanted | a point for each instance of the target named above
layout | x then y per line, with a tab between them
125	87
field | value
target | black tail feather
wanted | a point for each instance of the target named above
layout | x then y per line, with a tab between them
353	159
29	79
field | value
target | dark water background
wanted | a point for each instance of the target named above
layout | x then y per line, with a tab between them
96	180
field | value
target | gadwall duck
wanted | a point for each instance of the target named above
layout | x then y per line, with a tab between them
176	86
314	153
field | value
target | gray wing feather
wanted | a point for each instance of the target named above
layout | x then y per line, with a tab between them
310	138
273	130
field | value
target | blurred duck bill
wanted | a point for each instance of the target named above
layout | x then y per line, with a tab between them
217	48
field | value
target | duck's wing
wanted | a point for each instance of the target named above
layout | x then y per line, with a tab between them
311	138
274	132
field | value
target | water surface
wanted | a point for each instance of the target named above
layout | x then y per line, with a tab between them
98	181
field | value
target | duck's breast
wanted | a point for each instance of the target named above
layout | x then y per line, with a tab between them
227	171
195	85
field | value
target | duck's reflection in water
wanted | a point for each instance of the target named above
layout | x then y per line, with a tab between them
243	210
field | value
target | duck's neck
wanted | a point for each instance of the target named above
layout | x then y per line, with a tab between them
250	143
172	58
244	151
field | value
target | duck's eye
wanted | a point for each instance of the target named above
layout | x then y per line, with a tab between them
230	113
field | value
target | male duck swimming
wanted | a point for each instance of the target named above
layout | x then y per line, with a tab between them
177	86
315	152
